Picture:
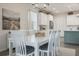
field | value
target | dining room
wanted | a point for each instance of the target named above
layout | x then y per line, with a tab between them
39	29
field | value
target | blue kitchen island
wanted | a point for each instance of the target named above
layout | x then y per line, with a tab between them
71	37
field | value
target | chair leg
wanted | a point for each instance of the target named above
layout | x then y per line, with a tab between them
33	54
41	53
52	54
47	53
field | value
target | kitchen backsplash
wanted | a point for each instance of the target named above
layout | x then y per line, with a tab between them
73	28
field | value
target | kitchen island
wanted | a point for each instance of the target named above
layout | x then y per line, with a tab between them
71	37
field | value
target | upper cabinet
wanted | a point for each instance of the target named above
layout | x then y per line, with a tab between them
73	20
50	17
45	20
42	19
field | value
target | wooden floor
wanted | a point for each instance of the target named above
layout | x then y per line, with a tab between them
4	53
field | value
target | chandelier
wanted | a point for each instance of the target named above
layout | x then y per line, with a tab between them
41	5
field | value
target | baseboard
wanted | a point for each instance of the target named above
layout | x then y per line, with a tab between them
3	50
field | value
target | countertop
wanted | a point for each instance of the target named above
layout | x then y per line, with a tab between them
71	30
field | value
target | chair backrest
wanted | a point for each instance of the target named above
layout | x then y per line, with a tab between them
15	33
20	40
57	39
21	47
31	37
35	43
51	40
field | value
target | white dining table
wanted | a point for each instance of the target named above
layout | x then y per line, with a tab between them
41	41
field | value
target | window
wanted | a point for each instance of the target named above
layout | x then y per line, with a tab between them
33	16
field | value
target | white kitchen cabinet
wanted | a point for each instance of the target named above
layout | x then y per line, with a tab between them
50	17
72	20
42	19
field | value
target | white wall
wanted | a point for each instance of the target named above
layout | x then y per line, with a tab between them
22	10
60	22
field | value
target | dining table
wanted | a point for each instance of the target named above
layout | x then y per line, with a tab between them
41	41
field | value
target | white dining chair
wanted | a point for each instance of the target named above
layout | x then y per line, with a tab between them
14	34
21	47
48	47
34	43
11	40
57	43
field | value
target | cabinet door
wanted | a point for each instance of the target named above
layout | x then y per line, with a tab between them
42	19
50	17
72	20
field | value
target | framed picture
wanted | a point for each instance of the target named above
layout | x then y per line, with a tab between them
10	20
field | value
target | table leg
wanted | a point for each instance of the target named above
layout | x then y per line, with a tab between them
36	50
10	48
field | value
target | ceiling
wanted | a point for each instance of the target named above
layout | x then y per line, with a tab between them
60	7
